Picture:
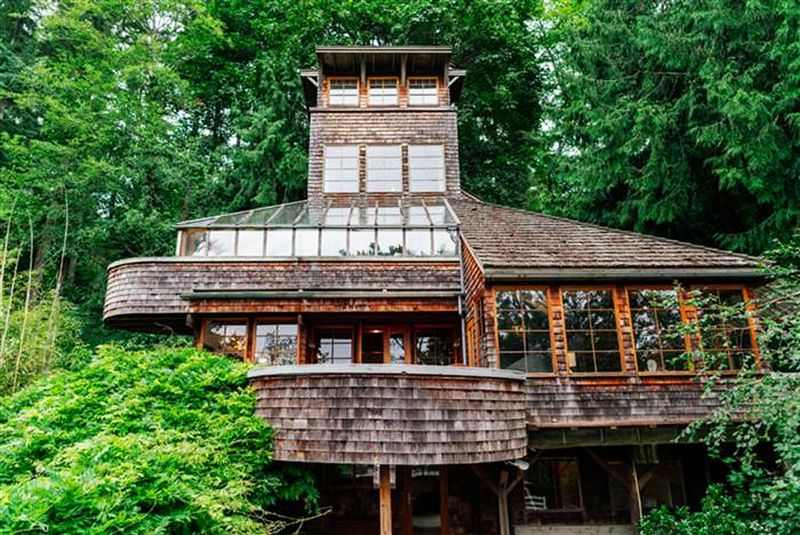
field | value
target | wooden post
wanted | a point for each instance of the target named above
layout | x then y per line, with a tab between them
636	514
502	504
444	501
385	501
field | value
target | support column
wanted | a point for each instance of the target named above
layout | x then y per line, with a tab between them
385	493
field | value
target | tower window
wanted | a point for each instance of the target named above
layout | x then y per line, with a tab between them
383	92
343	92
423	92
426	168
341	169
384	168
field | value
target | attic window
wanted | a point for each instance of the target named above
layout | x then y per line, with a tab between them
423	92
383	92
343	92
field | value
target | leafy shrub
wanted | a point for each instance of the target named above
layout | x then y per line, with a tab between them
159	441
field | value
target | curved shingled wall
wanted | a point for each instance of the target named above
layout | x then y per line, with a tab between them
393	414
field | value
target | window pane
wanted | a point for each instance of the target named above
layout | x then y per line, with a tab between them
220	242
334	346
390	242
362	242
194	242
276	344
251	243
443	244
383	92
279	242
341	169
434	346
656	329
225	338
334	242
422	92
418	242
591	325
384	168
426	167
524	330
343	92
306	242
513	361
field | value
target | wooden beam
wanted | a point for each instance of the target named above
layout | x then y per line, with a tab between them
385	497
613	473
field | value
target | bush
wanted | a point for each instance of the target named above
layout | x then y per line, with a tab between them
160	441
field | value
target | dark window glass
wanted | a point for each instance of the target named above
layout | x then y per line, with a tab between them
334	346
524	331
553	485
659	342
434	345
276	344
591	325
225	338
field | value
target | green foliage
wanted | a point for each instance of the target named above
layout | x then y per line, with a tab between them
163	441
759	417
679	118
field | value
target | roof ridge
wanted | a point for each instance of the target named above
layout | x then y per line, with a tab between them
475	198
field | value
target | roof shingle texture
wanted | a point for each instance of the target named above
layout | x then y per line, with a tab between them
509	237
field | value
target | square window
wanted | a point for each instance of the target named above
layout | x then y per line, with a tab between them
383	92
343	92
423	92
426	168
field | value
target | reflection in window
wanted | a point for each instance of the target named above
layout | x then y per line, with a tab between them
306	242
422	92
426	167
384	168
591	326
726	338
250	243
434	346
343	92
193	242
279	242
225	338
418	242
221	242
524	331
660	345
443	244
383	92
390	242
333	242
362	242
341	169
276	344
334	346
553	485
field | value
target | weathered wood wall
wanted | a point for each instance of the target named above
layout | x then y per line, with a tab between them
393	414
398	126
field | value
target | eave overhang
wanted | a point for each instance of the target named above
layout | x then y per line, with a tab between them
519	274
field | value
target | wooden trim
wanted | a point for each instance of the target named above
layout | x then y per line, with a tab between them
620	338
553	354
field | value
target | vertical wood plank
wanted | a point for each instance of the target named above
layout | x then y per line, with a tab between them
385	501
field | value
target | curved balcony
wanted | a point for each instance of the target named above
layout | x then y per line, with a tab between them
392	414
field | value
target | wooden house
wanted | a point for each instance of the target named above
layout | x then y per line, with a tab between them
447	365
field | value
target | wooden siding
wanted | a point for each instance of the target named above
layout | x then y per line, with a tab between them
151	289
393	414
475	306
617	402
400	126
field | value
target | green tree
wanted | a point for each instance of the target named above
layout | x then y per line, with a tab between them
164	441
679	118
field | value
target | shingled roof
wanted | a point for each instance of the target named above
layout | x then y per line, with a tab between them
513	243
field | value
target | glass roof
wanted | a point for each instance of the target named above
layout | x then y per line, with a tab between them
360	212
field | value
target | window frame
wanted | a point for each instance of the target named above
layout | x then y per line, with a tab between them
455	335
233	320
443	188
620	338
437	87
283	320
354	349
329	79
396	91
687	340
399	148
325	169
553	353
752	324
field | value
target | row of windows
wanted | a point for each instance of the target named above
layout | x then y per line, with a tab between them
384	168
662	329
383	92
276	344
